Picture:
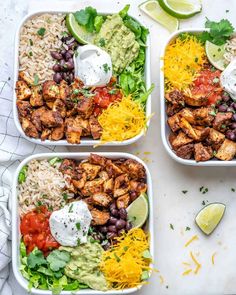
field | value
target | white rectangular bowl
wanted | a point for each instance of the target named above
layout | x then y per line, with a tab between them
16	236
165	129
84	141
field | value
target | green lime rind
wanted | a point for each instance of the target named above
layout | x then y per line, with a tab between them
209	217
186	11
215	55
138	211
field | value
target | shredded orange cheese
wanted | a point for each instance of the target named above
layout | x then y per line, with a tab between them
198	265
122	120
213	258
191	240
161	279
124	263
186	272
183	59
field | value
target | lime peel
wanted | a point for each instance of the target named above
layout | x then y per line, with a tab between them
138	211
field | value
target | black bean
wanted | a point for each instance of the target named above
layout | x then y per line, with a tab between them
71	52
103	229
64	76
57	77
70	40
115	212
56	68
234	117
233	125
56	55
111	235
107	246
231	135
112	220
123	213
128	226
62	63
69	65
120	224
71	78
226	97
68	55
222	108
63	52
112	228
112	206
230	109
234	105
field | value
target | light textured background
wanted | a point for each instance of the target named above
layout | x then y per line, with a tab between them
169	178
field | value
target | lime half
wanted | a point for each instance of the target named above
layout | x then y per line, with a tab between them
154	10
138	211
181	8
77	31
209	217
215	54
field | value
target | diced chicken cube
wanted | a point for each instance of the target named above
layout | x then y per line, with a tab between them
24	108
215	138
51	119
185	151
36	99
221	121
123	201
23	92
90	170
50	90
97	160
226	151
99	217
196	100
58	132
95	127
134	169
202	153
173	122
36	118
101	199
64	90
46	134
25	77
180	140
29	128
73	131
85	107
92	187
121	185
59	106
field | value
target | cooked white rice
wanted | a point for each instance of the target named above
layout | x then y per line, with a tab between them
44	185
34	50
230	50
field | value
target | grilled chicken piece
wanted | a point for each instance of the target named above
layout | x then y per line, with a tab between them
103	175
24	108
35	117
134	169
59	106
121	185
51	119
123	201
138	187
84	124
112	169
64	90
23	76
67	167
50	90
46	134
79	180
196	101
36	99
175	97
73	131
77	84
226	151
203	116
108	186
185	151
29	128
188	115
194	133
23	92
101	199
58	132
95	127
221	121
180	140
215	138
173	109
99	217
173	122
92	187
97	160
49	104
90	170
71	112
85	107
202	153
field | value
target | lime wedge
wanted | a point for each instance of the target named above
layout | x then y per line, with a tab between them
209	217
77	31
154	10
215	54
138	211
181	8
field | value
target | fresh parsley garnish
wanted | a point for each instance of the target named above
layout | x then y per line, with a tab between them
184	192
78	226
187	228
41	32
86	17
233	189
31	42
65	196
36	79
171	226
102	42
70	208
106	68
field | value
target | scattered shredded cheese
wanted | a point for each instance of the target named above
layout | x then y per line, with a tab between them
122	120
184	58
161	279
186	272
186	263
198	265
191	240
213	258
124	263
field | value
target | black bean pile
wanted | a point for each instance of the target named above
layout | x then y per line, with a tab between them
64	66
115	226
225	106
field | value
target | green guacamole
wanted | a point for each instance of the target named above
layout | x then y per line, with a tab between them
119	41
84	265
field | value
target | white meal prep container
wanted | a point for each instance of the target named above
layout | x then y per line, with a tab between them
84	141
16	219
165	129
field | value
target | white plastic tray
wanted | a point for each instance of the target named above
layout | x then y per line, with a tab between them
84	141
16	219
165	129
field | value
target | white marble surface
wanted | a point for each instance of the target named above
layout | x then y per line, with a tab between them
171	206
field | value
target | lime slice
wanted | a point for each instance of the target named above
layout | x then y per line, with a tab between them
153	10
138	211
209	217
181	8
215	54
77	31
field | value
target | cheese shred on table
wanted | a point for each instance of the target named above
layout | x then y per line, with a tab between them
122	120
184	58
124	263
191	240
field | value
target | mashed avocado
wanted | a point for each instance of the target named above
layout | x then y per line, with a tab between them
84	265
119	41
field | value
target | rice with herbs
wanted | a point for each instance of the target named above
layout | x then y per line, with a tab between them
230	50
38	37
44	185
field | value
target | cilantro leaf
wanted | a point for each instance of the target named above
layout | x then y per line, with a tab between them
58	259
98	21
36	258
41	32
86	17
123	13
146	254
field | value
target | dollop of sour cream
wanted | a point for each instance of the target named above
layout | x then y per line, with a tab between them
228	79
93	65
70	224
